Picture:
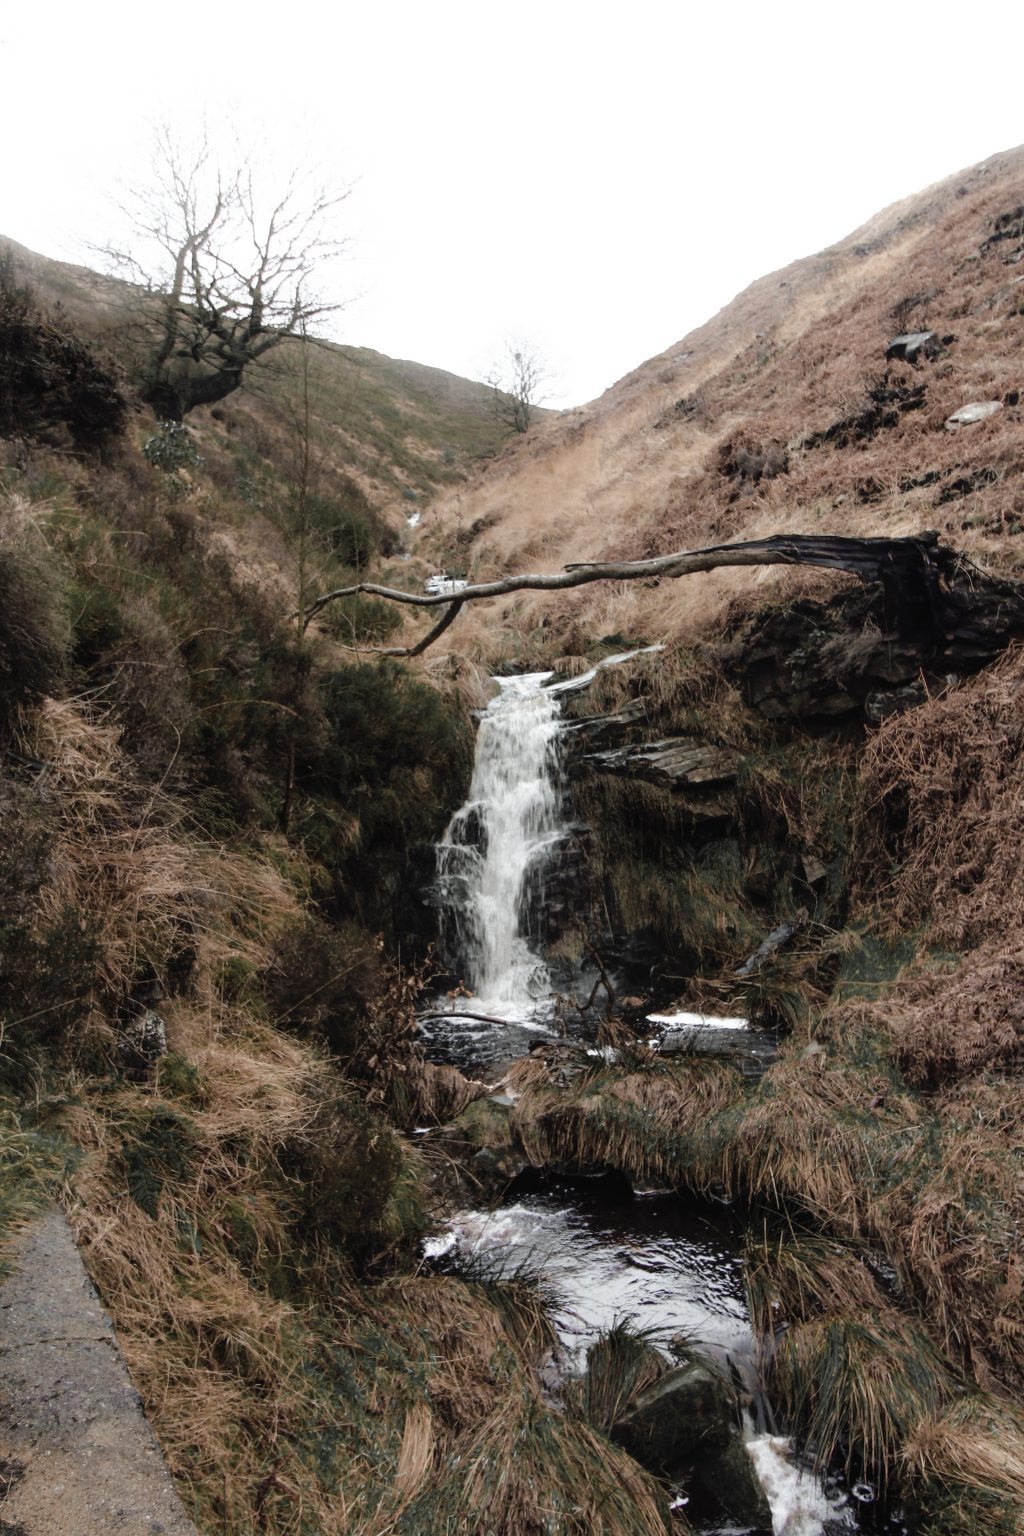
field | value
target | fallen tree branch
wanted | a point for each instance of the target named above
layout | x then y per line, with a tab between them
461	1013
914	572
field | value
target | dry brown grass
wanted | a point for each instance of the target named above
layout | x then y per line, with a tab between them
631	475
975	1446
951	776
863	1380
122	858
288	1395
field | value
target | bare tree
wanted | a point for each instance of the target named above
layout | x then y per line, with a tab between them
516	382
224	271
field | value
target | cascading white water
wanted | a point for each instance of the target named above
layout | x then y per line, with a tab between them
496	844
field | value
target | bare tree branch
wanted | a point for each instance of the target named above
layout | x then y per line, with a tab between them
516	384
870	559
929	591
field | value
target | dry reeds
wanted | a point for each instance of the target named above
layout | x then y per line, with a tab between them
974	1447
952	775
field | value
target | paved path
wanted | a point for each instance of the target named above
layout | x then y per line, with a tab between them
77	1457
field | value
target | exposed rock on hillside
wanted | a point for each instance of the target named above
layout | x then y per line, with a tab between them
690	448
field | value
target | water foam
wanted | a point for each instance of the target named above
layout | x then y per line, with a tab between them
496	845
799	1504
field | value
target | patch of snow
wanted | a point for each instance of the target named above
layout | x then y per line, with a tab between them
682	1021
443	586
573	684
414	519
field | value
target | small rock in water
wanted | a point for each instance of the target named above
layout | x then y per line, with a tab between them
685	1424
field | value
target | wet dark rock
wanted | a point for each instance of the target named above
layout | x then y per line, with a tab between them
893	701
685	1426
676	762
487	1140
913	346
751	1050
595	728
927	618
635	956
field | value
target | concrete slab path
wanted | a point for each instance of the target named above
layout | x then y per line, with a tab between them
77	1456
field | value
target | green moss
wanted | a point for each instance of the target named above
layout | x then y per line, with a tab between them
158	1151
180	1078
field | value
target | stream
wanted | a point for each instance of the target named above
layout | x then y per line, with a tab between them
604	1253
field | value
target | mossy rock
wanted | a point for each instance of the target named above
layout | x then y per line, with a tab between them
685	1426
497	1154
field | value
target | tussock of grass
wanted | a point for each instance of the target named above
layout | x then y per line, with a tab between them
35	627
531	1472
790	1277
666	1122
860	1384
620	1366
976	1447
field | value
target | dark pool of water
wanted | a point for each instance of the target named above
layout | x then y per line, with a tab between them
606	1255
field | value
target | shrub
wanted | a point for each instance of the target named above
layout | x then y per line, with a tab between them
346	522
361	620
34	624
351	1169
321	980
171	448
53	385
48	968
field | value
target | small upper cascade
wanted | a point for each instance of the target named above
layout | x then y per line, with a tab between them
497	843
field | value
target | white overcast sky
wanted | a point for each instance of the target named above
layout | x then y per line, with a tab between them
598	179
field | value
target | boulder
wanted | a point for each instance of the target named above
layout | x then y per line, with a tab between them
976	410
682	1417
912	346
495	1154
604	727
676	762
684	1426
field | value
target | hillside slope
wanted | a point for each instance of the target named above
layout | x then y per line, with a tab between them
404	430
782	413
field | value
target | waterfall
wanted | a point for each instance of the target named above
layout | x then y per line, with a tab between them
496	845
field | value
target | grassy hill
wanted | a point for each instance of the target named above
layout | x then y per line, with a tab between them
781	414
402	429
